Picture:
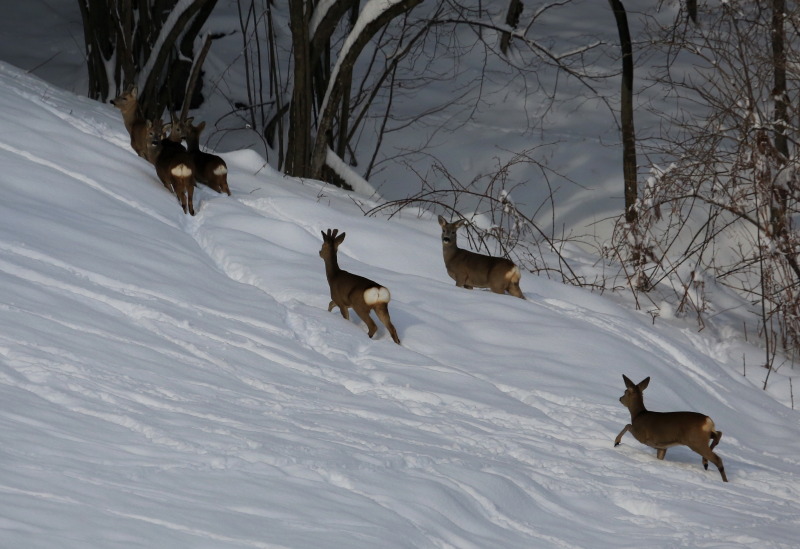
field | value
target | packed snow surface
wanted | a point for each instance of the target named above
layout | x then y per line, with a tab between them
177	382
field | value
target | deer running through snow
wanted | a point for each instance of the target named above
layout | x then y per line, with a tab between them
350	290
662	430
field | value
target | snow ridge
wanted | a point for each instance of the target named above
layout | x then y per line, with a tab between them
170	381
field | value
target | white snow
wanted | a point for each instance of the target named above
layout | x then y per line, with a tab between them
176	381
169	381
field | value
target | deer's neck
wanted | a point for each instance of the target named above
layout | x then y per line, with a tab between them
130	116
153	151
331	267
637	409
449	249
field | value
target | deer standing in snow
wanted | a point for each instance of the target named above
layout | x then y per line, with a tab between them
127	102
472	270
349	290
662	430
211	170
173	164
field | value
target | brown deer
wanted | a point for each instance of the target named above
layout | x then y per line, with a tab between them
211	169
127	102
349	290
662	430
173	164
472	270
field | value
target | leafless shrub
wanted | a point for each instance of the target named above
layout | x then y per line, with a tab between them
497	225
723	193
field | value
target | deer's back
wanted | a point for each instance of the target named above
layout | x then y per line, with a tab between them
479	269
349	288
665	429
203	160
171	155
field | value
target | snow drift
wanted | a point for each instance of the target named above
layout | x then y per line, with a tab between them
169	381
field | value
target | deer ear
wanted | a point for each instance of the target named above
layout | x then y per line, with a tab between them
460	223
644	383
339	239
442	222
628	382
201	126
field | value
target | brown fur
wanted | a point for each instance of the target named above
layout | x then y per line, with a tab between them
173	164
472	270
662	430
211	169
127	102
350	290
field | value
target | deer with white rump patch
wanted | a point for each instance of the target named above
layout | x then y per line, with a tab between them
127	102
662	430
211	170
174	165
350	290
472	270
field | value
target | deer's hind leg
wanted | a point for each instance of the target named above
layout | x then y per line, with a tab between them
363	313
515	290
342	309
382	310
715	437
708	455
498	289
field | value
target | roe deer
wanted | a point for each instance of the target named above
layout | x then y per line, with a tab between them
472	270
211	169
173	164
662	430
127	102
349	290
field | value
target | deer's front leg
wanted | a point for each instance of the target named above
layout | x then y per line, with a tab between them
619	436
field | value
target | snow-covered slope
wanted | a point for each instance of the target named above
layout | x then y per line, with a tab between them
169	381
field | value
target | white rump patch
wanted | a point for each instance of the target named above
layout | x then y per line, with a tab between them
181	170
378	294
513	275
221	170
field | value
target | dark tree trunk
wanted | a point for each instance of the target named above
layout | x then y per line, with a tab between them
512	20
101	41
120	37
337	87
780	195
626	112
779	68
299	145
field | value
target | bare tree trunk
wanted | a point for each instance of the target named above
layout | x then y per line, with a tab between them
626	112
344	73
779	68
100	43
512	20
780	194
691	10
144	42
299	144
